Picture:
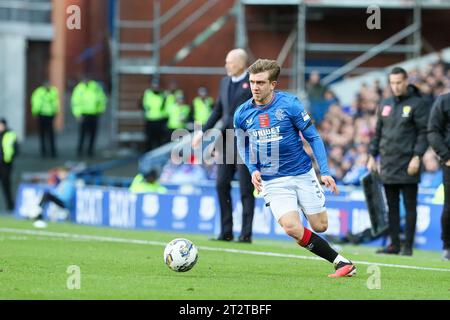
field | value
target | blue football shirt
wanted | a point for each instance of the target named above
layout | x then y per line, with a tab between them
269	137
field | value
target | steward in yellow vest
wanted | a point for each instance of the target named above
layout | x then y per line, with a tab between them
88	102
202	105
178	115
8	150
172	94
153	102
147	183
45	105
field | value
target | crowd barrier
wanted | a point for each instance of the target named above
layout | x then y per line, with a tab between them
198	212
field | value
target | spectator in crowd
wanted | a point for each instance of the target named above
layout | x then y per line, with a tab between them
185	172
314	89
361	118
318	97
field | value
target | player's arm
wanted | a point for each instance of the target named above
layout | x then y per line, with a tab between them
312	136
303	122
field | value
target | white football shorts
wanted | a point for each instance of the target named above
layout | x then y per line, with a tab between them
291	193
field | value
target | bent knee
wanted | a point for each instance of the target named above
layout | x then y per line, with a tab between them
321	224
294	231
321	227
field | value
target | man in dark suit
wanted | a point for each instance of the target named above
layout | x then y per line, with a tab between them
234	90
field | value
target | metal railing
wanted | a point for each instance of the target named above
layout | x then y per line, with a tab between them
29	11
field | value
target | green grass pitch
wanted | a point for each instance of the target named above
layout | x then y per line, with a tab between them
128	264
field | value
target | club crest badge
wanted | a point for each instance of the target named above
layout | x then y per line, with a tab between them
406	111
280	115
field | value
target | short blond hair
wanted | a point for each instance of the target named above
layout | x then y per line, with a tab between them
263	65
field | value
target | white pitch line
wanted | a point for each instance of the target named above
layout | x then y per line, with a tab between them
75	236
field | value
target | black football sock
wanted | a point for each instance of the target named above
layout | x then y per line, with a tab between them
318	246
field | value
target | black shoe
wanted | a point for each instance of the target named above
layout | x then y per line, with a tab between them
389	250
223	238
245	239
406	251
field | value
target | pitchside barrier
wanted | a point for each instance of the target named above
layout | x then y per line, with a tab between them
196	210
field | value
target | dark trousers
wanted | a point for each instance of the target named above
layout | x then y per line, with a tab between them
48	197
5	179
409	192
46	134
88	129
155	133
445	218
225	173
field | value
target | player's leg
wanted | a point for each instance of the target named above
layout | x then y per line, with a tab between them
319	221
293	227
311	198
284	205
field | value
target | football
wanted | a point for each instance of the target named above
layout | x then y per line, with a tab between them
180	255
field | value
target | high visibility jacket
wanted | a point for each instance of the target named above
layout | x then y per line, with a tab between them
88	98
171	97
8	146
45	101
178	115
153	104
139	185
202	109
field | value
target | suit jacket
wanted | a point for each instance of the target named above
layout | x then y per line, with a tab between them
225	105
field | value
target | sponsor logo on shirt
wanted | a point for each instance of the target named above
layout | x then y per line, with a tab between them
264	121
249	122
266	135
